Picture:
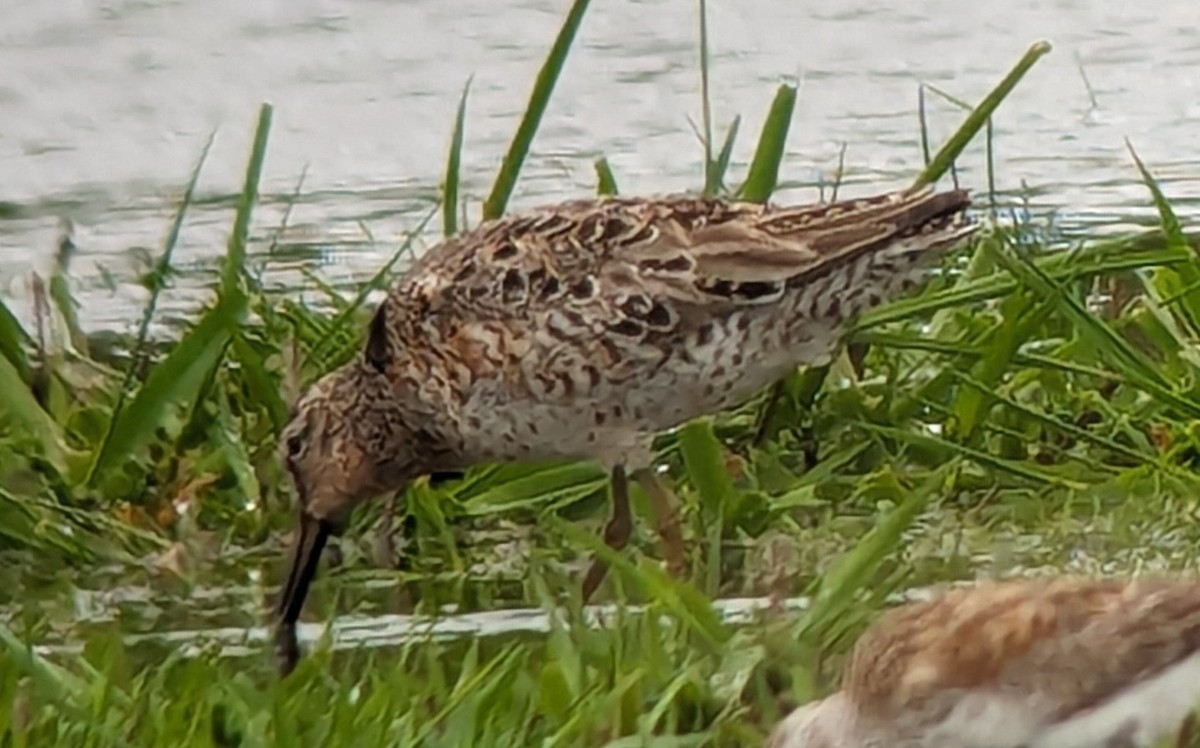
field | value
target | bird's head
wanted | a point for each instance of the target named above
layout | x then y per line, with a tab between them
349	440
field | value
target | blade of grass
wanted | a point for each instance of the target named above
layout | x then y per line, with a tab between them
547	77
683	600
13	340
923	125
175	381
235	256
723	158
19	408
606	183
178	379
453	161
1100	259
975	120
705	462
764	168
259	383
1013	467
710	180
60	289
1173	282
1110	345
958	348
1066	427
161	270
1020	317
837	587
1170	223
533	488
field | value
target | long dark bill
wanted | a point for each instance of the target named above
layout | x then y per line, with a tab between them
310	541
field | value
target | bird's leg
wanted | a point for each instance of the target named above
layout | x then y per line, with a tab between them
616	532
666	513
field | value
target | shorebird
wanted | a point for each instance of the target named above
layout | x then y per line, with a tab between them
583	329
1057	663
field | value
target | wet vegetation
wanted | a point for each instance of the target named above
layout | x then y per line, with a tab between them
1033	408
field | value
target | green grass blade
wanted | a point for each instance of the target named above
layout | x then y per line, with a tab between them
52	677
764	169
64	302
683	600
606	183
13	340
1018	468
1129	362
453	165
19	409
975	352
259	382
1098	260
854	569
175	381
547	77
235	257
724	157
705	462
163	267
161	270
923	124
710	181
180	377
979	116
533	486
1169	222
1066	427
1180	285
1021	317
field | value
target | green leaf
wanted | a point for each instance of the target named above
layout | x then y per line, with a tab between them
1180	284
534	486
975	121
722	166
764	169
710	180
453	162
547	77
259	382
19	409
606	183
175	382
235	256
13	340
704	459
855	568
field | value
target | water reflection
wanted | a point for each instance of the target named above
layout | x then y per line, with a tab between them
108	105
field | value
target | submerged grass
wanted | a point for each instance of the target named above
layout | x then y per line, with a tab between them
1006	419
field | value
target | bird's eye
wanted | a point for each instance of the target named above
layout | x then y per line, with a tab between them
295	438
295	445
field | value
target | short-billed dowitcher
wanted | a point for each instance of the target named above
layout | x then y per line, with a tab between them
583	329
1057	663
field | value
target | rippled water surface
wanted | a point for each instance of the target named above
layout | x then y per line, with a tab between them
106	106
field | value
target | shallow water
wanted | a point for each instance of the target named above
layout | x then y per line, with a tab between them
224	604
107	106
